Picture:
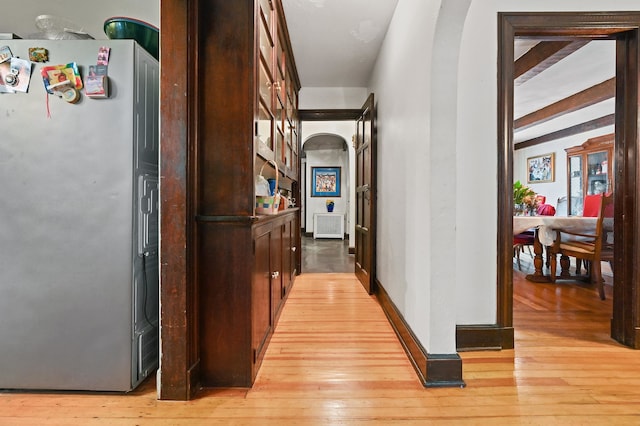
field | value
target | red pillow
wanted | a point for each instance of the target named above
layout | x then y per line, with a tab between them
546	210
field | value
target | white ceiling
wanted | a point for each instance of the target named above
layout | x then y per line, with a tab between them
590	65
336	42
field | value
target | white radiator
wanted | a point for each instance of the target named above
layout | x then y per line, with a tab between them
328	225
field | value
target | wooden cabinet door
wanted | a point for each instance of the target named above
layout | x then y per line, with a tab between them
277	273
287	257
261	319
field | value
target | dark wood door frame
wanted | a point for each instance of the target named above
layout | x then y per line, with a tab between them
366	196
624	27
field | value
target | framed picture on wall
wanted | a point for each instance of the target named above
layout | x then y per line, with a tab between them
541	169
325	181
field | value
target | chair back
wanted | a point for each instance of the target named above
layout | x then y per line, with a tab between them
561	206
546	210
591	205
604	224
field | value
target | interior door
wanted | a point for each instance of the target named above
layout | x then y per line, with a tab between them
366	196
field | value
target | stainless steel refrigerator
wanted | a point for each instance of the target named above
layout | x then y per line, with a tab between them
79	225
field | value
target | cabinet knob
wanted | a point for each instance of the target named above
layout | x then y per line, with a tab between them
275	275
294	249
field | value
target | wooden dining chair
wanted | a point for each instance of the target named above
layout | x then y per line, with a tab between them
590	208
585	246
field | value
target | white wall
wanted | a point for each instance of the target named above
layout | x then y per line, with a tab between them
406	256
331	97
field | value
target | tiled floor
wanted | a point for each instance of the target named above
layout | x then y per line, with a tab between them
326	255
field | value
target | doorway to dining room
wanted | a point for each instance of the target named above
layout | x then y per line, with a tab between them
623	28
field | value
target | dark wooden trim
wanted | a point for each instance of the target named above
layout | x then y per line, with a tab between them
598	142
193	378
483	337
624	28
504	313
444	371
329	114
591	96
434	370
607	120
179	378
241	219
542	56
352	250
626	290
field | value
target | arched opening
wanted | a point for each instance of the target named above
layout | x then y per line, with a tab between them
327	232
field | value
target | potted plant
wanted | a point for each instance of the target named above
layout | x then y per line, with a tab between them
330	205
524	199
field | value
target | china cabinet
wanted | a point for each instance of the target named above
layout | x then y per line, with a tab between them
247	262
589	171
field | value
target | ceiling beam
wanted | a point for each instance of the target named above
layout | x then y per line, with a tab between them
591	96
542	56
607	120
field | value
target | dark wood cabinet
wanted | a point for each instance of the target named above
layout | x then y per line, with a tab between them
246	263
589	171
261	293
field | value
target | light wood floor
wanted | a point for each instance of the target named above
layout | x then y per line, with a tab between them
334	359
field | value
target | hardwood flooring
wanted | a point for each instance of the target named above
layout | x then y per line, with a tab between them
334	359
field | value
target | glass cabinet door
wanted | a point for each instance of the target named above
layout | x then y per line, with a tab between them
575	186
597	173
588	175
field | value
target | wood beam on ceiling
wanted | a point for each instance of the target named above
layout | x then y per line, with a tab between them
591	96
542	56
607	120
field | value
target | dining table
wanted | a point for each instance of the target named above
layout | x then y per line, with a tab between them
545	233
